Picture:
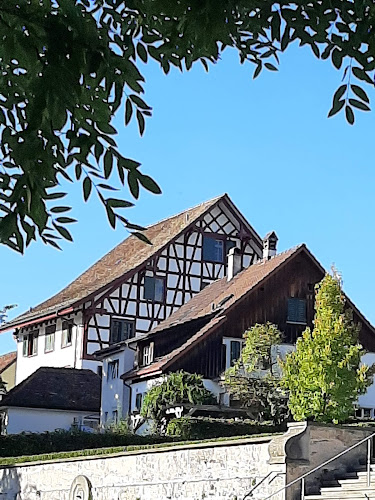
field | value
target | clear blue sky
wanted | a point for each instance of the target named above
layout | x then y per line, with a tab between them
267	143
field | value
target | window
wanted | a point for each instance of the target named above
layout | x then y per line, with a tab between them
213	249
66	339
113	369
296	311
138	401
49	344
154	288
235	351
115	416
30	343
99	371
148	354
121	329
105	417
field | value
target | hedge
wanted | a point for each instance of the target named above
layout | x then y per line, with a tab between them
206	428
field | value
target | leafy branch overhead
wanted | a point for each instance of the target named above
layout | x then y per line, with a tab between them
67	66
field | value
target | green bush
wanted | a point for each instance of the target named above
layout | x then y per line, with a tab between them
15	445
206	428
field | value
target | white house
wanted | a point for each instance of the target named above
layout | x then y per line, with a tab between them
50	399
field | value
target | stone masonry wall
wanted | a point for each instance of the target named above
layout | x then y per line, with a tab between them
224	470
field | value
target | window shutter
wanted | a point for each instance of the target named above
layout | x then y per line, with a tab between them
296	311
149	288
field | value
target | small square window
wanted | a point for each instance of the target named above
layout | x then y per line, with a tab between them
154	288
66	338
121	329
49	344
113	367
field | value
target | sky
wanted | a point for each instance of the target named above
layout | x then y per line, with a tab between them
267	143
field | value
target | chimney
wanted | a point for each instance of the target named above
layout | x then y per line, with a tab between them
234	263
269	245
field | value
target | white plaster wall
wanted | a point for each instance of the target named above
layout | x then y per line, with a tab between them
368	399
143	387
70	356
114	394
41	420
222	471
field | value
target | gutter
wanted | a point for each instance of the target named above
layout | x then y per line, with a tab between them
57	314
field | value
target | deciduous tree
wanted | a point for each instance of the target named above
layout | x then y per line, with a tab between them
67	66
324	375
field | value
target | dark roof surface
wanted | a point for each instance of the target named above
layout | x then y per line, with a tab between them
58	389
219	297
125	257
7	359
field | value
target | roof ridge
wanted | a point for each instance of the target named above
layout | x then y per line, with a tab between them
212	200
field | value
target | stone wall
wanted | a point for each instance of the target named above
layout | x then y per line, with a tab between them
217	470
224	470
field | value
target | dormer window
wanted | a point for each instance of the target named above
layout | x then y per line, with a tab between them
148	354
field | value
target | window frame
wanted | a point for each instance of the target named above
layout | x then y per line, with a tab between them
123	321
138	401
113	369
145	289
30	340
226	242
69	330
50	332
148	356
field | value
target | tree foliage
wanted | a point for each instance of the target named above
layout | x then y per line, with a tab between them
324	375
67	66
177	387
254	380
4	312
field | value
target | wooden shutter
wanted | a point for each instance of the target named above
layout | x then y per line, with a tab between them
296	311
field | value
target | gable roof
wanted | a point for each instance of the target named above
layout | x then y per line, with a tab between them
58	389
124	259
6	360
218	297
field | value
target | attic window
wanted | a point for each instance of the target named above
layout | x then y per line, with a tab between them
297	311
154	288
215	249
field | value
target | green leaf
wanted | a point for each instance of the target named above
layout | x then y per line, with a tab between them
359	104
339	93
133	184
87	186
114	203
141	51
111	216
57	210
336	107
349	115
149	184
142	237
140	103
359	92
64	232
337	56
128	111
257	71
108	163
141	122
361	75
65	220
270	66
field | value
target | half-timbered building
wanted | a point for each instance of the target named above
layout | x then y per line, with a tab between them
205	336
133	288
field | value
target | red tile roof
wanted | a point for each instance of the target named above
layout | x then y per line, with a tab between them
7	359
123	259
